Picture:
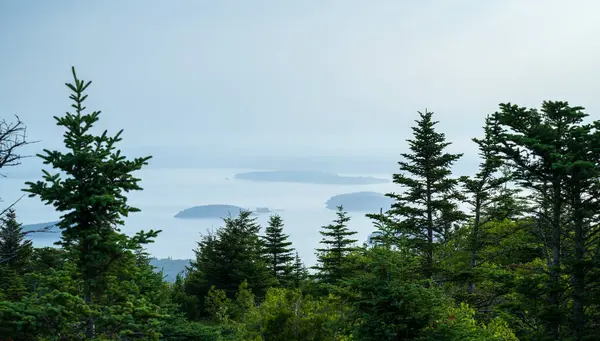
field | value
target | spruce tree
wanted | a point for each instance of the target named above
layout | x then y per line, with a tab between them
232	255
277	249
426	211
15	256
332	265
15	250
89	189
299	272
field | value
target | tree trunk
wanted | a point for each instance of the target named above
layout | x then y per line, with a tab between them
578	270
554	278
475	242
429	257
87	297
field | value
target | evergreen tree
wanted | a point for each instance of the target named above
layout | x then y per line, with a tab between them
582	193
487	193
15	256
240	257
426	211
91	195
555	156
299	272
235	253
15	250
332	259
277	249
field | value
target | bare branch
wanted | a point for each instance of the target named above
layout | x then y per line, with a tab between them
13	135
11	205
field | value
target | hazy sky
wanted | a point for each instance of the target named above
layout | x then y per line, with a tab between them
306	77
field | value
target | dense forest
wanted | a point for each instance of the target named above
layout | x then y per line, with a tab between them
510	253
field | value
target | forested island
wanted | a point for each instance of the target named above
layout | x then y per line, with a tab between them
360	202
510	253
308	177
170	268
216	211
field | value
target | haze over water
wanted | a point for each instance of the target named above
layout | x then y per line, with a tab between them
168	191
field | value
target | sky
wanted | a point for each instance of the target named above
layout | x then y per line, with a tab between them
310	78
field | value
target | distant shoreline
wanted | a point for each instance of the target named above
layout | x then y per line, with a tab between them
308	177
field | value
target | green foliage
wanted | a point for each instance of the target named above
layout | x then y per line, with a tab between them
299	273
519	268
426	211
555	155
228	258
332	259
460	325
217	304
15	257
15	250
180	329
388	299
89	188
278	251
288	315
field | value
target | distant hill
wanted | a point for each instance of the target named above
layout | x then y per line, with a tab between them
170	267
45	231
216	211
308	177
370	241
360	202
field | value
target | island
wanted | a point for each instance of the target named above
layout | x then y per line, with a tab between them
47	230
216	211
170	267
360	202
309	177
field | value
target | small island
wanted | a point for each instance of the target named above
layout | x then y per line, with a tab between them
309	177
216	211
360	202
41	228
42	232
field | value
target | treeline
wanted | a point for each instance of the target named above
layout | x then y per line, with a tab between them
521	263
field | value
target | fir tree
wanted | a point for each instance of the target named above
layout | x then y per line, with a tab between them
15	256
426	211
299	272
277	249
15	250
91	195
332	259
225	259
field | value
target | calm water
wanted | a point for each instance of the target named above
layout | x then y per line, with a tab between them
168	191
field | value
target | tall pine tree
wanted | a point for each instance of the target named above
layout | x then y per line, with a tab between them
89	188
278	251
332	266
426	211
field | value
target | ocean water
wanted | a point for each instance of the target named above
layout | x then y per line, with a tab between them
168	191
